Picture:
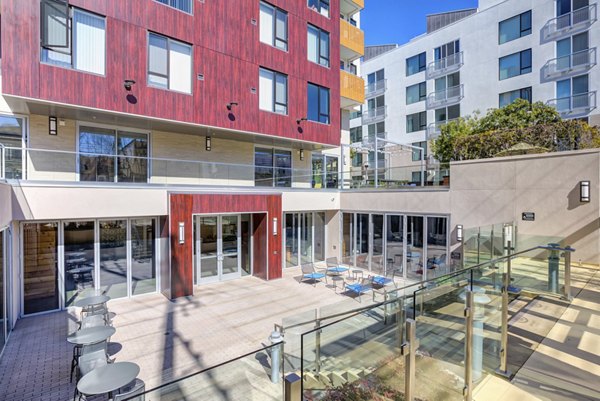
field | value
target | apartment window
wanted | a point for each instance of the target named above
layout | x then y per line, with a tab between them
83	46
416	122
320	6
447	114
375	103
12	138
169	64
181	5
416	93
416	153
571	52
318	103
507	98
515	27
446	50
272	91
416	64
318	46
112	155
377	129
515	64
572	93
273	26
375	77
443	84
272	167
355	134
566	6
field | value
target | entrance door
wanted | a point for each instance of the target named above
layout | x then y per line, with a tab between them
219	241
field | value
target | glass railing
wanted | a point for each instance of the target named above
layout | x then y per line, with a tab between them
570	63
63	166
580	103
565	23
446	64
446	96
482	244
375	88
372	115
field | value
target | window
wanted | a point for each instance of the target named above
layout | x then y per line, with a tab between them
355	134
318	104
112	156
375	77
514	28
447	114
273	26
416	93
446	50
374	104
416	153
320	6
169	64
376	129
318	46
572	51
324	171
572	93
272	91
507	98
85	47
272	167
182	5
12	138
416	122
515	64
416	64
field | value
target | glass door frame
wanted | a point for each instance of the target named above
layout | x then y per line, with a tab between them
298	218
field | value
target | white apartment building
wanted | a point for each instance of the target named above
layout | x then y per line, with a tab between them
478	59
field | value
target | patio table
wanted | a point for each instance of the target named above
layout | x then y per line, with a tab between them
91	335
92	301
108	378
337	270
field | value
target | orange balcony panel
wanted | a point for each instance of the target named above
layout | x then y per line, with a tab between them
352	89
352	40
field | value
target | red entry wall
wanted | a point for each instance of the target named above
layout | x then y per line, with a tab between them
182	206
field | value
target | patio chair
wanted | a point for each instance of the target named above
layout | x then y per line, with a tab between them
93	321
134	391
437	261
333	267
89	361
359	288
382	281
310	273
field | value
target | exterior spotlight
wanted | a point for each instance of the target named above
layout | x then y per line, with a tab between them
301	154
208	143
128	83
231	104
459	233
52	125
584	191
298	121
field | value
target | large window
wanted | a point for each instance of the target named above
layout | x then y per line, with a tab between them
418	154
416	93
416	64
447	114
572	93
515	27
507	98
324	171
318	103
182	5
111	155
318	46
515	64
273	91
272	167
85	45
416	122
169	64
40	267
446	50
320	6
356	134
11	137
273	26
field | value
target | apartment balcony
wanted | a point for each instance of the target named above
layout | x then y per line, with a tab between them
445	66
575	63
435	129
445	97
376	88
576	105
374	115
565	25
352	41
352	89
351	7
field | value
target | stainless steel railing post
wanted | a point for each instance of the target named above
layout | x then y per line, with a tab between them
400	321
409	350
469	312
567	287
318	346
503	369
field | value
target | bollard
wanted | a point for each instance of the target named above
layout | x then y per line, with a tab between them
276	340
553	261
293	387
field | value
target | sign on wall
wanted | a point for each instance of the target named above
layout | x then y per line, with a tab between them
528	216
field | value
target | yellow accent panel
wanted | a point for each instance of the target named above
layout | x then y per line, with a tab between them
352	87
352	38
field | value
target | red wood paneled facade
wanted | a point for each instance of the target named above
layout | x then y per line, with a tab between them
182	207
226	50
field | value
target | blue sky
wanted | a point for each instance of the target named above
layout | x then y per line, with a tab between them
397	21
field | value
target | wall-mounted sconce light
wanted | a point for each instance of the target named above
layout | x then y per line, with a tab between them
231	104
128	84
459	233
208	143
298	121
301	154
275	226
181	233
52	125
584	191
508	235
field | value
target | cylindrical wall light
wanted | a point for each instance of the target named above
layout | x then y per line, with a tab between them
208	143
52	125
181	233
275	226
584	191
301	154
459	233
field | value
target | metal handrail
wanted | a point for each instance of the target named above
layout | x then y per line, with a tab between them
587	58
581	15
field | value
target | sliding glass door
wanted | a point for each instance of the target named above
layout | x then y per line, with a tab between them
395	245
377	257
40	267
143	256
113	258
304	238
79	259
362	241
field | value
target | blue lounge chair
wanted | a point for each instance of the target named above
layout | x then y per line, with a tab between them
359	288
382	281
310	273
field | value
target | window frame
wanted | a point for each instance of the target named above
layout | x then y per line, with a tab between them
422	68
318	8
275	103
273	168
521	91
319	89
276	10
191	12
320	32
522	32
422	126
422	92
522	70
416	153
168	76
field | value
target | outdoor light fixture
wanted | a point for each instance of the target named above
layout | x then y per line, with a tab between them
508	235
298	121
208	143
275	226
231	104
181	233
584	191
52	125
459	233
301	154
128	83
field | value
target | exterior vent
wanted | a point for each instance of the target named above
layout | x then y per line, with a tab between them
253	21
200	77
253	90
